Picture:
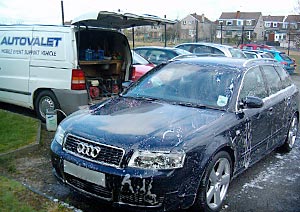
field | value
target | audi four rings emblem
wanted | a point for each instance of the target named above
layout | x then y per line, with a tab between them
89	150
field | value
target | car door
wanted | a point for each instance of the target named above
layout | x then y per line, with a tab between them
277	103
256	125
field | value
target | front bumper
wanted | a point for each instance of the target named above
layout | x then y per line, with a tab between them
136	188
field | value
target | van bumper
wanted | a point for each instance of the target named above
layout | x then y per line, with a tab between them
71	100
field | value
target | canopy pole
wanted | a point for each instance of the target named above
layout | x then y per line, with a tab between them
165	33
132	37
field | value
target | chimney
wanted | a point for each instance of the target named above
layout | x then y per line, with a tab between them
238	14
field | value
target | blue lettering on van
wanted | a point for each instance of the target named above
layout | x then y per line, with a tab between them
36	41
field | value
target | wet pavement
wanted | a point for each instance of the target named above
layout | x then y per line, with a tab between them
273	184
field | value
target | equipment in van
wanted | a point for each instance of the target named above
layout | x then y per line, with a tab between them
46	66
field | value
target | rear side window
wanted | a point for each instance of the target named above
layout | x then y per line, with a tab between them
285	57
285	77
185	47
272	78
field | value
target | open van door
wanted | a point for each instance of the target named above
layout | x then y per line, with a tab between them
118	20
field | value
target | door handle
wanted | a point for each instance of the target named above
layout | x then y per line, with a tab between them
270	111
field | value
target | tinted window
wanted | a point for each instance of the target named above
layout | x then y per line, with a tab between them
185	47
285	77
253	84
285	57
272	78
202	49
217	51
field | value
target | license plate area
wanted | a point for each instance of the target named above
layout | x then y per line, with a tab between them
84	173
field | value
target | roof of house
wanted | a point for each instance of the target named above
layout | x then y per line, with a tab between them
240	15
293	18
200	18
272	18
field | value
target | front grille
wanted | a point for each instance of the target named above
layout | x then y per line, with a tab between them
88	187
141	199
109	155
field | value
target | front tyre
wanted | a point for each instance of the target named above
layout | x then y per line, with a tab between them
45	100
292	134
214	184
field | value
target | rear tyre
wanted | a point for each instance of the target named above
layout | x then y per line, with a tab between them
214	184
291	135
45	100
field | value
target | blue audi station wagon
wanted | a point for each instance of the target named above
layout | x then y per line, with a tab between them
177	137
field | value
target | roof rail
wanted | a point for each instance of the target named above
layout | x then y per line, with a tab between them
259	61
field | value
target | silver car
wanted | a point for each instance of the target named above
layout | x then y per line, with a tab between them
212	48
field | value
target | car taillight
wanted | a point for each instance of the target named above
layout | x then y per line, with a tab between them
133	73
78	80
284	63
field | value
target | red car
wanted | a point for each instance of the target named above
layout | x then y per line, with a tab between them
140	66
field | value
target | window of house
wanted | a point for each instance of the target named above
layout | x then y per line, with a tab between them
239	23
229	23
184	22
248	22
228	33
275	24
220	22
267	24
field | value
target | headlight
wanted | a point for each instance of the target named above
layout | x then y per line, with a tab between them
59	135
157	160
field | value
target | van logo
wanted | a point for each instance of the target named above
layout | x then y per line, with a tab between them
89	150
35	41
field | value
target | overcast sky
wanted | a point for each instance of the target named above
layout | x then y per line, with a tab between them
49	11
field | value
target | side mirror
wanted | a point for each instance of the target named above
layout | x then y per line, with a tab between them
252	102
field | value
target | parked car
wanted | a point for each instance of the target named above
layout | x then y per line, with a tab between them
288	63
254	46
140	66
176	138
212	48
257	54
157	54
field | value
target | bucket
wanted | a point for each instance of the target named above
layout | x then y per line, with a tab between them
51	120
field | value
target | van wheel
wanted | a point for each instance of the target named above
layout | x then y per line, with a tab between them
45	100
214	184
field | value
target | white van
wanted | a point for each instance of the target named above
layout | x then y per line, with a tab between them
65	67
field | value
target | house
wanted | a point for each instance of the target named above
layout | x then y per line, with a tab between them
274	29
291	25
241	26
194	28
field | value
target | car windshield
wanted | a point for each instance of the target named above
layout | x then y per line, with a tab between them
187	84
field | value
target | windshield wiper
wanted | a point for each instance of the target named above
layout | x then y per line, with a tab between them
189	104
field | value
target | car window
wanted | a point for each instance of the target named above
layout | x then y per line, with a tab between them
253	84
285	57
188	83
272	78
142	52
202	49
237	53
184	47
217	51
285	77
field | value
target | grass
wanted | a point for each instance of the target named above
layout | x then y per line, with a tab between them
16	131
15	197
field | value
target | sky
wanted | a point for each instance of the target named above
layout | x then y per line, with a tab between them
49	11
